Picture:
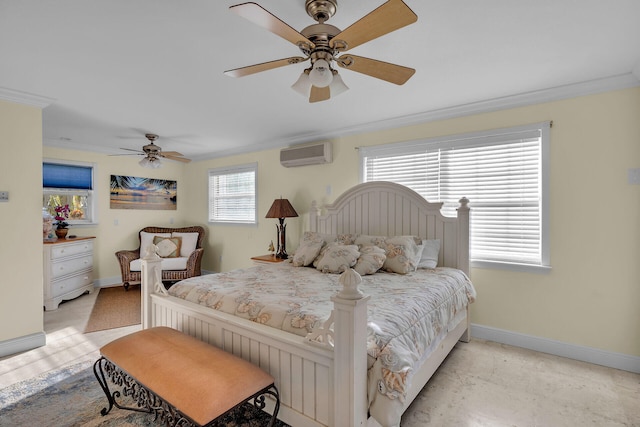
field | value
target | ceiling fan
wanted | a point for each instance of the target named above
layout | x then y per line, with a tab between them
153	153
325	44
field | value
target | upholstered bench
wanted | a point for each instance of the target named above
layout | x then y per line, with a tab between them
184	381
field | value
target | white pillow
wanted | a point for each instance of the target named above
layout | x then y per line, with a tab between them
189	242
338	258
146	239
371	260
430	251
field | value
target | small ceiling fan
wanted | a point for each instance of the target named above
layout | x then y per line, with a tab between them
325	44
153	153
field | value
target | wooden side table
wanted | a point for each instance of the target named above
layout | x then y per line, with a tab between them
266	259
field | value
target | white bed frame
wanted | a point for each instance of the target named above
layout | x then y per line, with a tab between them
325	385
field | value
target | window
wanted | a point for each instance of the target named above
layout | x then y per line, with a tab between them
232	194
503	173
69	183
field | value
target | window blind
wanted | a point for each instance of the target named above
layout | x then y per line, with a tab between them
232	195
501	174
56	175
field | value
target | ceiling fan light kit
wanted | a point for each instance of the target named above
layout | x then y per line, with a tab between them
322	44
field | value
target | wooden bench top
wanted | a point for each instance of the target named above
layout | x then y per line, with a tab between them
200	380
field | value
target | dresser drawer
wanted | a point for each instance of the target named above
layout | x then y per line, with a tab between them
62	286
65	250
70	266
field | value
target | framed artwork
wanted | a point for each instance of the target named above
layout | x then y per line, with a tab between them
132	192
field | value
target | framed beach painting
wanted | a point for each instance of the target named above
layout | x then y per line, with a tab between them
132	192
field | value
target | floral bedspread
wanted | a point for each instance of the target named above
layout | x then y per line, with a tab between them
406	312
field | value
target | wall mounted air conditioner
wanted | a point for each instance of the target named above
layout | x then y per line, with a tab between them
303	155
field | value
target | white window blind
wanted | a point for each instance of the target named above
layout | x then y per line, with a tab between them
232	194
501	172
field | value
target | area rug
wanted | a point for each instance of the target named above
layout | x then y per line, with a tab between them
72	397
114	308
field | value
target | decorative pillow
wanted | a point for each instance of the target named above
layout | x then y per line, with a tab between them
343	239
371	260
189	242
307	252
430	251
365	240
168	247
146	239
337	258
403	255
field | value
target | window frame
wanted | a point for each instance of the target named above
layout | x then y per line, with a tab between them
476	139
231	170
91	194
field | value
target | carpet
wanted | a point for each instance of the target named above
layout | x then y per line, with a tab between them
72	397
115	308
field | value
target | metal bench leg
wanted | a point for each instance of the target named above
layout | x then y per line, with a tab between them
259	402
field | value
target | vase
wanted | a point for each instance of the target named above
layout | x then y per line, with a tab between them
61	232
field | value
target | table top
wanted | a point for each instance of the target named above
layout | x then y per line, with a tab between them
67	240
267	258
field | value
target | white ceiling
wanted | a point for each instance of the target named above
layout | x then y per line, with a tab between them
115	69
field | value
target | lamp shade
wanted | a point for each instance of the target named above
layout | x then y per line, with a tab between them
281	208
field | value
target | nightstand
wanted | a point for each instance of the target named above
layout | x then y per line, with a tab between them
267	259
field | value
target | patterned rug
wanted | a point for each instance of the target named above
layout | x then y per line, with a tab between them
73	397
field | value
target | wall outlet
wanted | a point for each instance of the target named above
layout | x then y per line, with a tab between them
4	196
633	176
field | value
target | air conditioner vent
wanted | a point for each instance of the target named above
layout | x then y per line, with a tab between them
312	154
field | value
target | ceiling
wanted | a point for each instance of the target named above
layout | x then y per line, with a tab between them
116	69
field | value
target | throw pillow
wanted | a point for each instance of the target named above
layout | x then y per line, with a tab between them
307	252
403	255
371	260
168	247
189	242
338	258
146	239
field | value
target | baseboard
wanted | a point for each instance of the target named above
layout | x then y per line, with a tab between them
107	282
596	356
20	344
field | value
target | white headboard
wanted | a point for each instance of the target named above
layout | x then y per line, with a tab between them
382	208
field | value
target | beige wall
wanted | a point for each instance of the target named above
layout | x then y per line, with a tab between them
21	257
590	298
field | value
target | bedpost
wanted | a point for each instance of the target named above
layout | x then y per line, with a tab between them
313	216
151	274
350	353
463	235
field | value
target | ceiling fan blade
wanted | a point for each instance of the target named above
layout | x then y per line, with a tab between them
180	159
138	154
129	149
257	68
172	153
260	16
392	73
319	94
390	16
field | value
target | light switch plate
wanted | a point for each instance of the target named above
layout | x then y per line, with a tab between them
634	176
4	196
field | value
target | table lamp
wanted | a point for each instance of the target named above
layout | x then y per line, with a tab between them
281	209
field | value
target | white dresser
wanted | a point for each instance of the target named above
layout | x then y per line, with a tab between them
68	270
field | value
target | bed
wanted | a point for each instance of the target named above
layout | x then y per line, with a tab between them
330	357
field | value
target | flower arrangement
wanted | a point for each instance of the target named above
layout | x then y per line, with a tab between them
62	214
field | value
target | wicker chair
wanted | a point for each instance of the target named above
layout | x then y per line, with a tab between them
193	263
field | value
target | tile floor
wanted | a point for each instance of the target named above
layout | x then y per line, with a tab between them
480	384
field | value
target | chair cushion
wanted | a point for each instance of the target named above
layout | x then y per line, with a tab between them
179	263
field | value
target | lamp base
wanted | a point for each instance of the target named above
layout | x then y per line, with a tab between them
282	252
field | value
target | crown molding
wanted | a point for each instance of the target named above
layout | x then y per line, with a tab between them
592	87
25	98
